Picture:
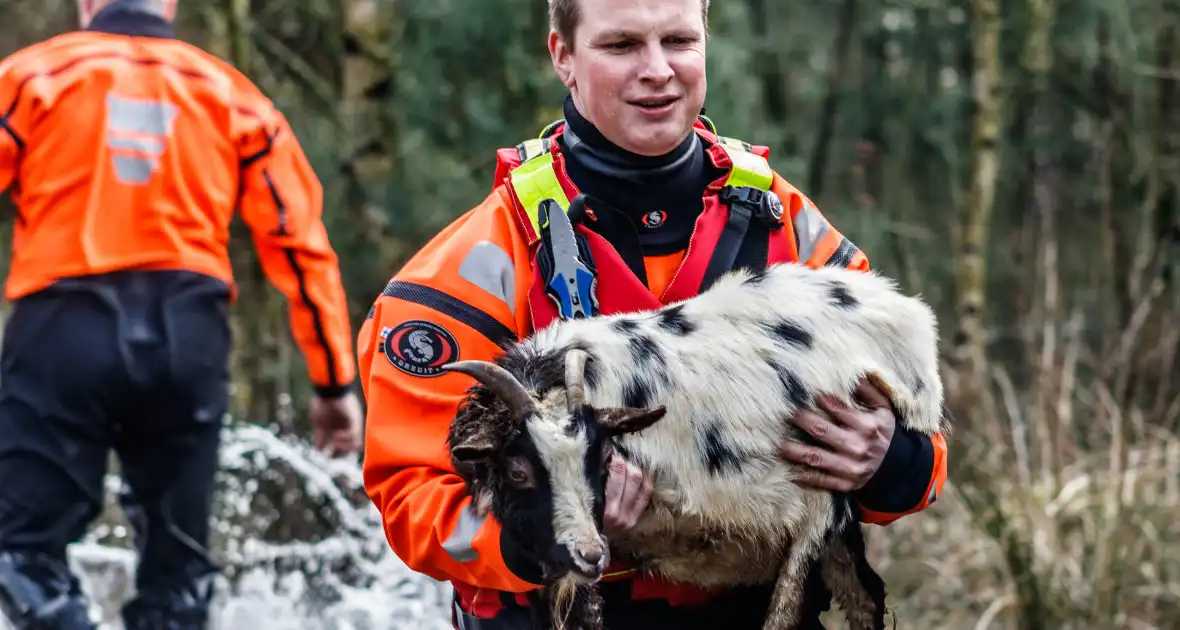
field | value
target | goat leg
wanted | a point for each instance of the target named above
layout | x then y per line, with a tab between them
790	605
588	608
856	587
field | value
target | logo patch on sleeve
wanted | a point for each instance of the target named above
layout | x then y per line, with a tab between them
419	348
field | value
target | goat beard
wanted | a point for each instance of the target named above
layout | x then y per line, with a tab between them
481	502
572	605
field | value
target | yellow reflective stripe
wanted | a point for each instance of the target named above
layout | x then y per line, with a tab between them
535	181
749	169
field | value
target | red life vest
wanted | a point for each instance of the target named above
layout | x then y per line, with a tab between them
535	171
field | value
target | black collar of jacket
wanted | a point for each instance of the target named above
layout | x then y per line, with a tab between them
126	17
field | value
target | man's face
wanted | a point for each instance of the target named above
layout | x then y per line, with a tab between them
636	70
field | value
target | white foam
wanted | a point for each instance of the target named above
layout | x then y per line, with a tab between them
346	580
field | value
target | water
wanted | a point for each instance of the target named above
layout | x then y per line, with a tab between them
335	573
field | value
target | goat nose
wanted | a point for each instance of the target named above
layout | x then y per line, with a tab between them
590	555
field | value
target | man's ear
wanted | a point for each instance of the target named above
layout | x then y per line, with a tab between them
622	420
561	55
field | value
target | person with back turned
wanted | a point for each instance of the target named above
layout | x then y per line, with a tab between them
126	152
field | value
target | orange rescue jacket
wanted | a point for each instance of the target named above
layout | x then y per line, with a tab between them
476	285
124	152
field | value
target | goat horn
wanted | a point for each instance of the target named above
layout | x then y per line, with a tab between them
501	382
575	377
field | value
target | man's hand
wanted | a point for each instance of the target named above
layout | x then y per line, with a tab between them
854	442
627	495
336	424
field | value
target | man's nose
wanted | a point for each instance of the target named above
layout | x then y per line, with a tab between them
656	67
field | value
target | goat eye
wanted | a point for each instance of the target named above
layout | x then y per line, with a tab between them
518	476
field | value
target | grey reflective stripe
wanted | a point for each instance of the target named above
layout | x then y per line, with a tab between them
490	268
136	143
459	545
810	228
139	129
134	170
126	115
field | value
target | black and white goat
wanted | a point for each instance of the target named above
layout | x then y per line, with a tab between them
698	394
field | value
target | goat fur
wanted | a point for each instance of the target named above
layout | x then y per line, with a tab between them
729	366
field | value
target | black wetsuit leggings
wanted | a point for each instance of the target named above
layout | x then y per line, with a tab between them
135	363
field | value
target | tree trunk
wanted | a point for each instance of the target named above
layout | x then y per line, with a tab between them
1045	178
767	62
827	121
258	317
368	83
969	351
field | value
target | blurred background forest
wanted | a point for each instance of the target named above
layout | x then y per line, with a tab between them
1016	162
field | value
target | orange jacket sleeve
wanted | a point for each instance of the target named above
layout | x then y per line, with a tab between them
915	468
281	200
15	120
460	297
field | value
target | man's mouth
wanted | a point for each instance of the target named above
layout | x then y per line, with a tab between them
655	102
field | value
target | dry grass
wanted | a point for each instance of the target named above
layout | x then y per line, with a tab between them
1061	508
1099	553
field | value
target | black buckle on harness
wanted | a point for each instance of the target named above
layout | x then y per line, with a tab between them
763	205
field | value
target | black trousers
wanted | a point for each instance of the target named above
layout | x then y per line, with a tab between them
136	363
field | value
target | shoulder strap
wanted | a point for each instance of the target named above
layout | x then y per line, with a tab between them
749	169
564	259
509	159
533	147
534	181
748	195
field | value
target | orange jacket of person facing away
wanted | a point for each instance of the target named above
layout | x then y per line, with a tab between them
127	153
476	285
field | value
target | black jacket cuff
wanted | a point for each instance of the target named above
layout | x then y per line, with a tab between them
333	391
900	483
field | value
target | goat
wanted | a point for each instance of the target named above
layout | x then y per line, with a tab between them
698	394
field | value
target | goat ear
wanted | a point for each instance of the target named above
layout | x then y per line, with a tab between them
620	420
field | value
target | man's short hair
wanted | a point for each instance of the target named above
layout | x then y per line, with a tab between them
564	16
